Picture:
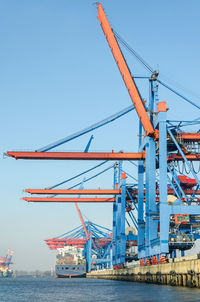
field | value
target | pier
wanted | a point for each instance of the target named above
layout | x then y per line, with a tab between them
183	271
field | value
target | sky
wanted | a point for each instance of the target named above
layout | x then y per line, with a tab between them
58	76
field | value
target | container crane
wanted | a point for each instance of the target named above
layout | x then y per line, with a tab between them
164	144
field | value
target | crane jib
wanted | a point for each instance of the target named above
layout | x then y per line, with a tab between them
132	89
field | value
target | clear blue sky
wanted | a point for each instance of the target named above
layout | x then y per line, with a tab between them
57	76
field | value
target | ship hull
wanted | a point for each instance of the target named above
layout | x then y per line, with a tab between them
71	276
70	271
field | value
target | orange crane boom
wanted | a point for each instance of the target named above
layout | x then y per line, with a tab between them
73	192
75	155
49	199
124	70
82	221
93	156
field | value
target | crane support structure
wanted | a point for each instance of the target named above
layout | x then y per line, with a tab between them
49	199
73	192
95	126
124	70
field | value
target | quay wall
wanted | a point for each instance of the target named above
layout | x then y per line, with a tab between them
183	271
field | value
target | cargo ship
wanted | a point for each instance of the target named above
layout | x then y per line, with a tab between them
70	263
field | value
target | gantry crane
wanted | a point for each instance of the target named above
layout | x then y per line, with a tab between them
160	193
95	241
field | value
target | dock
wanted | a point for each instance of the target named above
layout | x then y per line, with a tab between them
183	271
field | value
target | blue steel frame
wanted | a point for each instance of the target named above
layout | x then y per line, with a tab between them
154	222
119	218
119	208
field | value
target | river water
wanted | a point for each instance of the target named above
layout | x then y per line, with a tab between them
86	290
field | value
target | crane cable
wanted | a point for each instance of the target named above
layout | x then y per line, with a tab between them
132	51
149	68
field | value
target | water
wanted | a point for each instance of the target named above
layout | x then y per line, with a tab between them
82	290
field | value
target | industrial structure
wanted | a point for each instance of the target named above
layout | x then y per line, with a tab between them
162	202
5	263
94	240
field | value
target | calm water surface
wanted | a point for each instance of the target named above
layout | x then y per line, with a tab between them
49	289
